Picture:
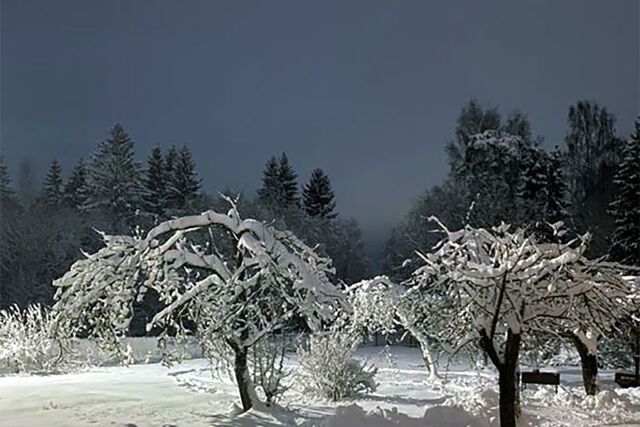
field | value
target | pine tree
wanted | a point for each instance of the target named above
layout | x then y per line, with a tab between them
75	190
318	196
113	180
155	182
269	193
6	192
184	185
52	192
625	208
288	183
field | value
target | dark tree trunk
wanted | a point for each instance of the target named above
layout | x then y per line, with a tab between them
589	363
636	356
242	377
241	368
507	378
509	405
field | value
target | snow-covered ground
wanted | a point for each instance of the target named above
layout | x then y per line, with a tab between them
187	395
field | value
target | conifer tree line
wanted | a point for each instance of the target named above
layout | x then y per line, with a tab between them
498	171
45	228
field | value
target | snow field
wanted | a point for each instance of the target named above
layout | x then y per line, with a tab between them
187	395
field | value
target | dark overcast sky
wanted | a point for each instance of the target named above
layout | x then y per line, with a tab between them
367	90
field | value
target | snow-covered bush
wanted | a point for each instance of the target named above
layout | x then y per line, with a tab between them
27	343
329	369
616	352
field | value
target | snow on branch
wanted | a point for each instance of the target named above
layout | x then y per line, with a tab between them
233	280
494	281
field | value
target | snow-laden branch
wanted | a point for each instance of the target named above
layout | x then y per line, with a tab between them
497	280
263	279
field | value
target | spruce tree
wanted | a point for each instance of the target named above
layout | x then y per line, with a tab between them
269	193
184	185
318	196
170	161
113	181
52	192
532	185
289	186
75	190
555	206
6	192
625	209
155	182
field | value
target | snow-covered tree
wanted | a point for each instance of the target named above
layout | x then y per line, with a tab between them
378	305
318	196
473	120
625	209
230	282
497	169
113	180
503	286
52	191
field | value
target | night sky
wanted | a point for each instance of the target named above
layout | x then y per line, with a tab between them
367	90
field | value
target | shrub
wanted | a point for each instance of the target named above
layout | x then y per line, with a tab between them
27	344
268	369
329	369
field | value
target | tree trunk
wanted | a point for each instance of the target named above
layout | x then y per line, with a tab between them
589	363
507	378
429	362
509	397
636	356
242	377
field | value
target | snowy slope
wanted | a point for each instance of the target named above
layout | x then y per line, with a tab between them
187	395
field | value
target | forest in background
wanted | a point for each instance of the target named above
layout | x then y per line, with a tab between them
498	171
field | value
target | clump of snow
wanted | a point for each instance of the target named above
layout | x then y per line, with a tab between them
608	400
478	400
